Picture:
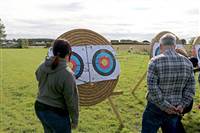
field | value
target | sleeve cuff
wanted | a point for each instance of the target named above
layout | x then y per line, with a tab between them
165	105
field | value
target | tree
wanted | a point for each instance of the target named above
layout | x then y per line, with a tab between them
48	44
2	32
23	43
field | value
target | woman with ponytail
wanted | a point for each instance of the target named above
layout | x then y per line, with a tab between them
57	103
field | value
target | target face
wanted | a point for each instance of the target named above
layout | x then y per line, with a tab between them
199	52
157	51
76	64
104	62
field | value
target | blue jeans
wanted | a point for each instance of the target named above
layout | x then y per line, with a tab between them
53	122
154	118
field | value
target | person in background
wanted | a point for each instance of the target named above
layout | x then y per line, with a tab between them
194	61
57	103
193	58
171	87
182	52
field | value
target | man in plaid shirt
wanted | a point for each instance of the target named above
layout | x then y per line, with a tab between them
171	87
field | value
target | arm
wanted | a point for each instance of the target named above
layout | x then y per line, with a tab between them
189	90
36	74
71	96
154	92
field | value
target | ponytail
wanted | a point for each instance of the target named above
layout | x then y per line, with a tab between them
55	63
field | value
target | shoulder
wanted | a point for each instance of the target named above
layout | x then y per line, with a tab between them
186	60
68	74
157	58
69	78
40	66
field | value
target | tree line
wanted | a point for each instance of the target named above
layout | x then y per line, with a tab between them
25	43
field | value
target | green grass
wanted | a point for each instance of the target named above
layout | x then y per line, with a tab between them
19	89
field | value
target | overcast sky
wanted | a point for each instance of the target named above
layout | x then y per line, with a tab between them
115	19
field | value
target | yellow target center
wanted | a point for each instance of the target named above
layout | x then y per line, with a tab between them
104	62
70	65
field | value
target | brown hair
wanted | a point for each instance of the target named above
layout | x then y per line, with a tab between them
182	52
61	49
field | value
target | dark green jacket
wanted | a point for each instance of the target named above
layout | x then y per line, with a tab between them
58	88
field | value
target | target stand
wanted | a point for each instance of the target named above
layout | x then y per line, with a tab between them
155	50
92	88
139	82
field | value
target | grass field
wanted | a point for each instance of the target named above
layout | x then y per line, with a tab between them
18	89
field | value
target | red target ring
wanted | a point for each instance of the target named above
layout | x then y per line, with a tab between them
104	62
73	65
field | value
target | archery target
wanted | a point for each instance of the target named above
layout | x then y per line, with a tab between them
76	64
104	65
197	49
156	49
104	62
96	92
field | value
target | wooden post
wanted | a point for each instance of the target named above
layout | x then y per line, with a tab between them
116	112
140	81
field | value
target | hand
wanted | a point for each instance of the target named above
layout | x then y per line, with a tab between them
171	110
179	109
74	126
199	107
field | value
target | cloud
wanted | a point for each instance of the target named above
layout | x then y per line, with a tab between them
116	19
36	23
128	35
194	11
36	28
73	6
141	8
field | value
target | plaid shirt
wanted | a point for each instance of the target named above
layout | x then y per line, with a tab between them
170	80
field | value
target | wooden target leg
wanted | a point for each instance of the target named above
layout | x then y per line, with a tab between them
116	112
140	81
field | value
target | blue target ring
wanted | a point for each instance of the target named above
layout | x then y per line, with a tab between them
157	51
77	64
104	62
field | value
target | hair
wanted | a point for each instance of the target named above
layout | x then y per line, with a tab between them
168	40
61	48
194	61
182	52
